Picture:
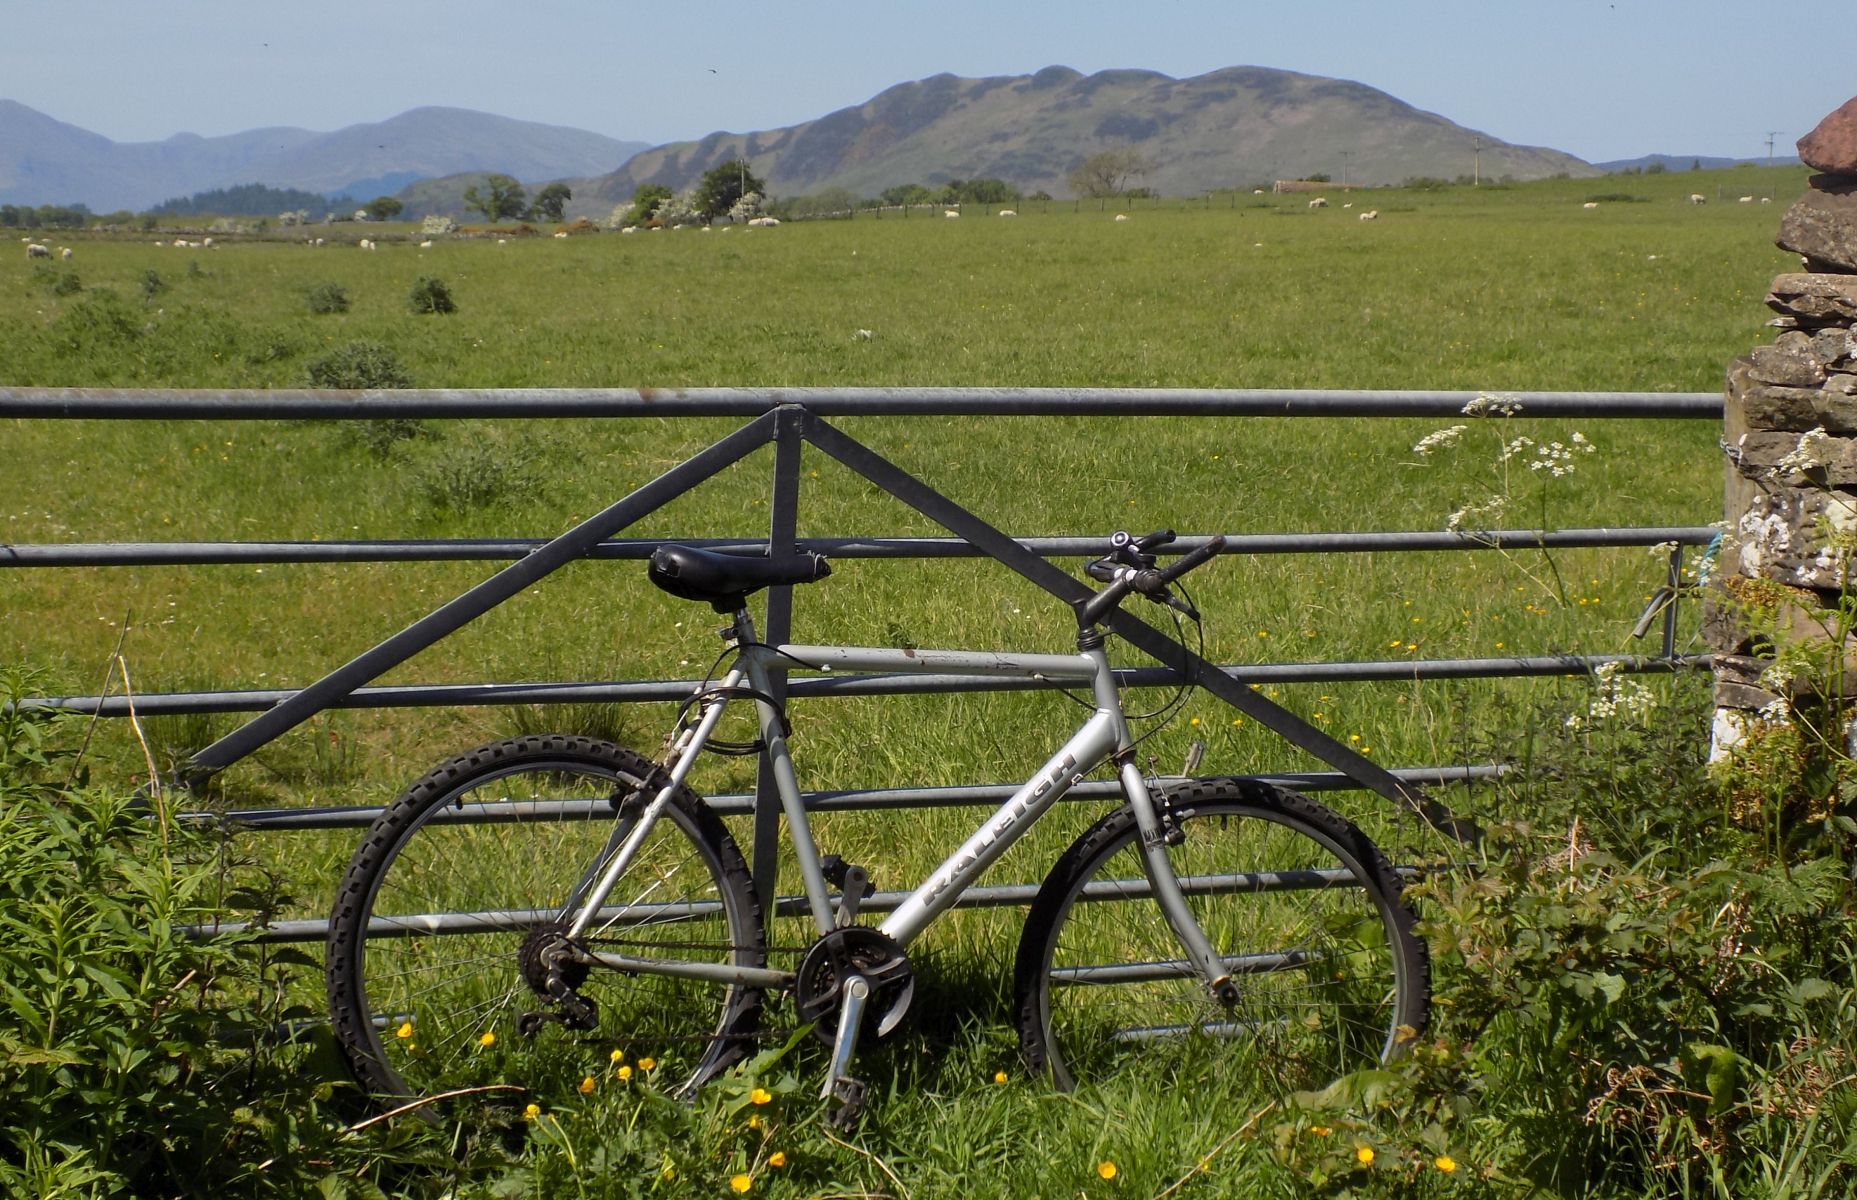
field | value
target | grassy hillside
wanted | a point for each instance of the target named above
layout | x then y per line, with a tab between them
1229	127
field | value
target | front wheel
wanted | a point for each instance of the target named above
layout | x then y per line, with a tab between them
1304	910
437	946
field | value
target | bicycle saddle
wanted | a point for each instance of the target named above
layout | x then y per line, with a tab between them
726	580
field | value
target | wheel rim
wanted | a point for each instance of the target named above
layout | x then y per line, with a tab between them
1319	980
441	984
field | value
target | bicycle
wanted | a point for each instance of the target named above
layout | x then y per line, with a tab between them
535	903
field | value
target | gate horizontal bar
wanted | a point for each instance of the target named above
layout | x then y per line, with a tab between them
144	554
645	691
285	404
742	804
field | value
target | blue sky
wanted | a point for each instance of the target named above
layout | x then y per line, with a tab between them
1601	79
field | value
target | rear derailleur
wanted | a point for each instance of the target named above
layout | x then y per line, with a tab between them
552	967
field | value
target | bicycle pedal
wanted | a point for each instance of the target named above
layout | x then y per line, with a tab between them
847	1102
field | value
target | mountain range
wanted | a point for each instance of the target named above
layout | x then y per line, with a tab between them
45	161
1236	127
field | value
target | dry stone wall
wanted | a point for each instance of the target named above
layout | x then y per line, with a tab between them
1790	431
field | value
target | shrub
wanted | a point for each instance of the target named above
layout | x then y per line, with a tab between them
361	366
152	284
357	366
431	295
98	320
475	474
328	297
67	284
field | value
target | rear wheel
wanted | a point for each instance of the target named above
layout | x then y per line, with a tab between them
435	946
1303	908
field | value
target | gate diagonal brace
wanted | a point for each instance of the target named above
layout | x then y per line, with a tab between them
1138	633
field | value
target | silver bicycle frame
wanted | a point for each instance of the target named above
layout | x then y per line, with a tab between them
1103	735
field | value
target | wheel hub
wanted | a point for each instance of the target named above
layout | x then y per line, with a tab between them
534	959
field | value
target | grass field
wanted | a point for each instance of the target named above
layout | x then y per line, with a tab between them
1490	289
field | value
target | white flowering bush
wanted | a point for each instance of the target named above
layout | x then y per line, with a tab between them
1499	486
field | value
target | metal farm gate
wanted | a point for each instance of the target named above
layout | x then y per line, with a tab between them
788	418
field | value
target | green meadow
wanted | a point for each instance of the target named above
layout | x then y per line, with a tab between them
1495	289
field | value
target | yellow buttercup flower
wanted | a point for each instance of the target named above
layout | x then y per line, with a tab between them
586	1085
1445	1163
624	1073
487	1040
531	1112
777	1159
1105	1170
754	1120
646	1064
618	1056
760	1096
999	1077
1363	1155
1319	1130
404	1031
741	1183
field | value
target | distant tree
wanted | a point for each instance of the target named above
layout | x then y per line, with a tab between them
832	202
908	193
723	185
384	208
1695	164
1320	177
1107	172
646	201
500	199
978	191
551	202
248	200
1656	168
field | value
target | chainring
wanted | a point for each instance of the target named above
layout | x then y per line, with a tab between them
854	950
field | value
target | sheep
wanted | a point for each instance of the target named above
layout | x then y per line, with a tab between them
1747	199
1698	198
1372	214
1349	204
426	245
560	233
634	228
206	241
1319	202
1121	216
34	250
763	222
950	214
1007	212
180	243
66	253
366	243
1766	199
1590	205
318	242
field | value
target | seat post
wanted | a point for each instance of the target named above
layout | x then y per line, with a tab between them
741	628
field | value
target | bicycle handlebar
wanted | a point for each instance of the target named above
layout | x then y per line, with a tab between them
1131	569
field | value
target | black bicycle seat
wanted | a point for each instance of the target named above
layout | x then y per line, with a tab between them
725	581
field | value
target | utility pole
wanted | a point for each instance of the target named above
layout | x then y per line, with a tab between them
1344	169
1476	179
